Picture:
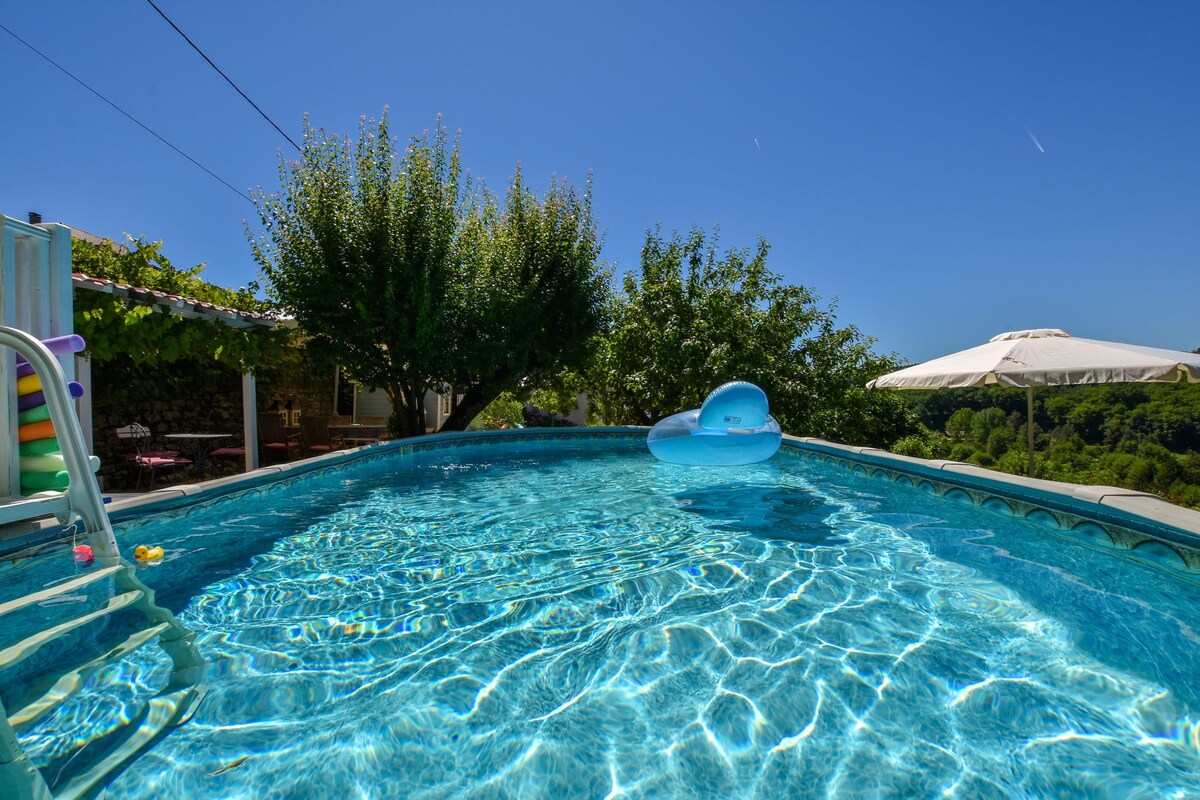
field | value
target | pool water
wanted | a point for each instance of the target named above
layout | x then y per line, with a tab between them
563	620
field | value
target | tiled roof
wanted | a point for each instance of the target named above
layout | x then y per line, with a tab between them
91	238
176	304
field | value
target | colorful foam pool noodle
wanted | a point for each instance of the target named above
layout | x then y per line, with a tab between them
37	414
51	474
39	398
40	447
60	346
42	481
54	462
42	464
35	430
28	385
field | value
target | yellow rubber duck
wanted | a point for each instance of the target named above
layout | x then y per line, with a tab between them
143	553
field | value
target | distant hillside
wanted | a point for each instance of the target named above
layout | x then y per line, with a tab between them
1136	435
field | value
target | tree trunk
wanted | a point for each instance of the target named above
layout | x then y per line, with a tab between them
407	417
418	404
467	409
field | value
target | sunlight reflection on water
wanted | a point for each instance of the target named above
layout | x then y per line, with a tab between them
566	621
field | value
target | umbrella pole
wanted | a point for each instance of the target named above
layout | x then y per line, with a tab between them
1029	425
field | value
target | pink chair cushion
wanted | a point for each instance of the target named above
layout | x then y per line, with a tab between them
155	462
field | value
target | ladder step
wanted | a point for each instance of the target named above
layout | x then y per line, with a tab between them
21	509
68	683
58	589
157	719
27	647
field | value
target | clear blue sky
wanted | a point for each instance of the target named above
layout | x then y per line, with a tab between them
894	167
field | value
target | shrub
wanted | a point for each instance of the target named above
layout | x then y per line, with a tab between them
926	444
506	411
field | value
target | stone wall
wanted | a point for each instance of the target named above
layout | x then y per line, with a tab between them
210	406
210	401
301	386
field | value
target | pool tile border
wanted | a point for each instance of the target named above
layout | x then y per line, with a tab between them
1143	525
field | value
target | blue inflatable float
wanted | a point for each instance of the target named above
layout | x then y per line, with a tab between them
732	427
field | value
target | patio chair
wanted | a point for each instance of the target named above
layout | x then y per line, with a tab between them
145	459
272	439
222	453
314	436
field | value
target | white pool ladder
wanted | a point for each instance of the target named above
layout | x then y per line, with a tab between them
82	503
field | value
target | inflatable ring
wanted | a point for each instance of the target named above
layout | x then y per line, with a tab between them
731	428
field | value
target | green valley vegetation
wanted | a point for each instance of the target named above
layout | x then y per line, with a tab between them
1134	435
414	277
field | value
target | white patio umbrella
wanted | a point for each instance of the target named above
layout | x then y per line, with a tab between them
1045	357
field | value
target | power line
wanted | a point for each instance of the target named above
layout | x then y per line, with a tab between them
223	75
132	118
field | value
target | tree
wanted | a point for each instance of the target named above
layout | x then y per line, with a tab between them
506	411
528	297
985	422
359	245
958	427
415	278
1141	436
696	319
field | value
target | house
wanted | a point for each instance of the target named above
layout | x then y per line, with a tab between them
362	405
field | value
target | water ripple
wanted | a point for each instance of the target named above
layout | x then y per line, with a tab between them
562	623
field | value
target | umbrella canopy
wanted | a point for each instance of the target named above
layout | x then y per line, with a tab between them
1045	357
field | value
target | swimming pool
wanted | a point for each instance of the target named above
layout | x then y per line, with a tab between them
575	619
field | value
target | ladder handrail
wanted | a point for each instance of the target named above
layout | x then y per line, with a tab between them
82	491
83	500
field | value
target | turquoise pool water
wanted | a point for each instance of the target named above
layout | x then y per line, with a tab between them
564	620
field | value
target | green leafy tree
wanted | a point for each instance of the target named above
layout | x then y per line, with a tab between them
506	411
529	296
415	278
559	393
923	444
142	263
695	318
999	441
359	246
986	421
1140	436
958	427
